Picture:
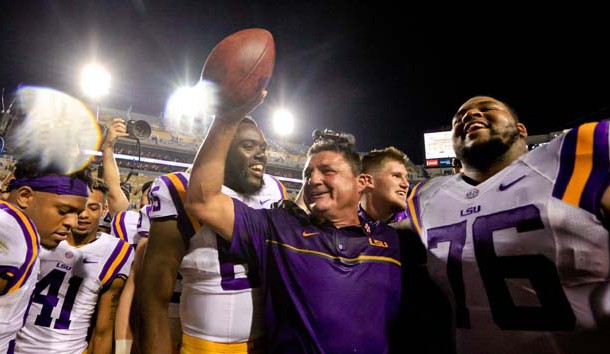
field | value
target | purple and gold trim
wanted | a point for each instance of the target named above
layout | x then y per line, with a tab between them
362	258
33	246
584	170
176	184
413	207
118	224
115	262
281	187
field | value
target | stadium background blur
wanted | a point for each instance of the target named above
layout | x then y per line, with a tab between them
163	152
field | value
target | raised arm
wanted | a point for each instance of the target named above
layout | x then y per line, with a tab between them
117	201
204	198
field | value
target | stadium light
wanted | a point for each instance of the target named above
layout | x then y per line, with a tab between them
283	122
95	83
187	109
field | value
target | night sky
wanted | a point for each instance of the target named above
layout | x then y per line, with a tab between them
383	73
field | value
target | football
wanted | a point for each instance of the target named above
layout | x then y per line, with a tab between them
240	66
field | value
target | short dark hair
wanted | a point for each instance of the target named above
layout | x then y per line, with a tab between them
511	109
375	158
146	185
513	112
345	149
98	185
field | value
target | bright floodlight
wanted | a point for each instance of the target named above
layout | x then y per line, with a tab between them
283	122
189	101
187	109
95	81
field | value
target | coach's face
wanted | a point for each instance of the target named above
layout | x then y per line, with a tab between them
247	160
331	189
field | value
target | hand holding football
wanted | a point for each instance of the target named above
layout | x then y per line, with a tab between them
240	66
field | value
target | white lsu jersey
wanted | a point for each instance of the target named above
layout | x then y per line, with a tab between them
208	271
523	256
66	294
143	226
19	266
131	225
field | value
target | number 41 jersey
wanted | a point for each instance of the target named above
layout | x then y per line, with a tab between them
523	256
66	294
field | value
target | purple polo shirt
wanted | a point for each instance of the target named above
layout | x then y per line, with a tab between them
327	290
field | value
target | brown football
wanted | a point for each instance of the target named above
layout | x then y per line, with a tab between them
241	65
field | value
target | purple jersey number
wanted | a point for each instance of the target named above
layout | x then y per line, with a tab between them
140	217
53	282
554	312
227	269
156	203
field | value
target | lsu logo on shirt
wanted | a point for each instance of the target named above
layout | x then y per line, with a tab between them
377	243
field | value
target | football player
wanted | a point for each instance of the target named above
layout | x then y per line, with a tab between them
221	301
82	275
385	195
133	226
40	209
518	240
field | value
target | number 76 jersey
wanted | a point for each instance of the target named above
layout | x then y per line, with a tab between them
523	256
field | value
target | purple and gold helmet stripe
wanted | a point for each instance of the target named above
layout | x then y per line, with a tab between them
281	187
584	166
117	259
31	239
176	184
413	207
119	227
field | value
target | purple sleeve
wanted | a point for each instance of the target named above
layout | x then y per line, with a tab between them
584	166
251	229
